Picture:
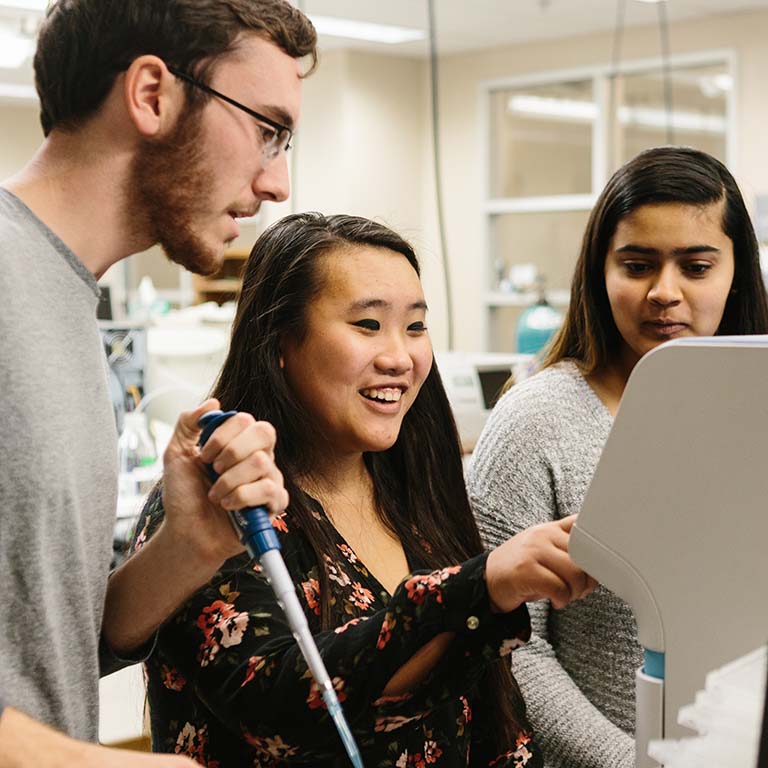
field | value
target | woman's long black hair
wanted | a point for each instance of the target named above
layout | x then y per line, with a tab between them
660	175
418	482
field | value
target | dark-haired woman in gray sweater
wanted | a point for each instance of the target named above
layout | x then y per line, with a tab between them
669	252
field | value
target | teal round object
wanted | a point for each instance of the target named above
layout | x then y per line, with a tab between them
535	328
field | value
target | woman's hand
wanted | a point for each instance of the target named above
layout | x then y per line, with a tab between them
242	451
535	565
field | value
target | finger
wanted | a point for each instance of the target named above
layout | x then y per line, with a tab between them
566	523
557	536
238	446
549	585
257	466
591	586
187	429
560	563
267	492
225	432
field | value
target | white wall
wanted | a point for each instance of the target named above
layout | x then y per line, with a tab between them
20	136
364	143
462	74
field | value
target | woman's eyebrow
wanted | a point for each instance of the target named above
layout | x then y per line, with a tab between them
362	304
690	249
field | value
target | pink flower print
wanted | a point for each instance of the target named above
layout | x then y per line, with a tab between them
419	587
173	680
521	754
360	597
431	751
315	699
385	635
221	625
312	595
255	663
393	722
348	553
233	630
279	524
141	539
192	742
350	623
336	572
270	750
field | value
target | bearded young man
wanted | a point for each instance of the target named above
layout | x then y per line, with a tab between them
164	122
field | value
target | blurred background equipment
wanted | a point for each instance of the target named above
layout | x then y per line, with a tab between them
729	715
474	383
538	323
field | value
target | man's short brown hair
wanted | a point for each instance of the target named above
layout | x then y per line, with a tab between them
84	44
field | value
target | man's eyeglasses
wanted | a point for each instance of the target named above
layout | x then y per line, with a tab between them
276	138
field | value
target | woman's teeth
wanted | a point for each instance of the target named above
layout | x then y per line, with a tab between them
388	395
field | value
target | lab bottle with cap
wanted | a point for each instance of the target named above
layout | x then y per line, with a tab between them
137	455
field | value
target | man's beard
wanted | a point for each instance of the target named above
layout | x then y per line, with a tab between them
169	192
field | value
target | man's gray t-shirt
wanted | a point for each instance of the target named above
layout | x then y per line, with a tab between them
58	476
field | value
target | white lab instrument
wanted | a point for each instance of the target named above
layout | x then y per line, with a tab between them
727	716
473	383
675	519
183	363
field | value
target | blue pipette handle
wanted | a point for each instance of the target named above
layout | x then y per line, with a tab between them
258	535
253	523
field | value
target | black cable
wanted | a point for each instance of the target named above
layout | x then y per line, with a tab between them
666	68
294	160
436	162
618	39
762	758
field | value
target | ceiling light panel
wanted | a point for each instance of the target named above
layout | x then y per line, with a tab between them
362	30
25	5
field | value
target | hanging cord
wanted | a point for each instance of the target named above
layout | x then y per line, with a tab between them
294	160
618	39
666	68
436	163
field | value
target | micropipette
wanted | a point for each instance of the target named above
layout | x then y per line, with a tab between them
255	530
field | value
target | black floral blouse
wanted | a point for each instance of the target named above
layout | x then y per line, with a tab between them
228	686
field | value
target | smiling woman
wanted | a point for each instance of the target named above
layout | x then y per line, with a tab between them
669	252
412	619
362	361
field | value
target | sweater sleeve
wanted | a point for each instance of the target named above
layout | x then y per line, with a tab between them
512	487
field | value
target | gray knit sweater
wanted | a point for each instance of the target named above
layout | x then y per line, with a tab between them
533	463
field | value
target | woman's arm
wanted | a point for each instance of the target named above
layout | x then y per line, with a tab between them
231	642
195	537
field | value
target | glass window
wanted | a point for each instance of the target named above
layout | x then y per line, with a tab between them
697	118
541	140
549	239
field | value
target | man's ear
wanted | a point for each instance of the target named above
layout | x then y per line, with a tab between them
153	96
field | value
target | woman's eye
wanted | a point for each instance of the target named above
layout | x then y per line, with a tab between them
698	268
369	325
636	267
418	327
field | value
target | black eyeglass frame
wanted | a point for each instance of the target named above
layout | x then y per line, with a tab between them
279	127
